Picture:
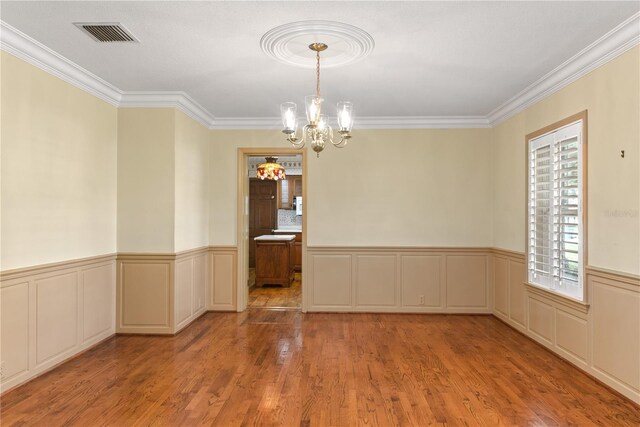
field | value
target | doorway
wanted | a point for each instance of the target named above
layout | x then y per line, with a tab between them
273	212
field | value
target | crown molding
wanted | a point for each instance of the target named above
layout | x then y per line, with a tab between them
35	53
178	100
382	122
614	43
617	41
247	123
422	122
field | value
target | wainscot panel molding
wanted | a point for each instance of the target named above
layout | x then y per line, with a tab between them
222	288
192	271
600	336
160	293
52	312
399	279
145	286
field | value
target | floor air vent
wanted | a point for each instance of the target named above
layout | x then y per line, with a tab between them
106	32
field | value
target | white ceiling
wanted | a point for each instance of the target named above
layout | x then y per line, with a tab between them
430	58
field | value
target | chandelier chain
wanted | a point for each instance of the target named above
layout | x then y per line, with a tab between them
318	74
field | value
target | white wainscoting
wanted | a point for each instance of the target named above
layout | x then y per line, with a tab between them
398	280
223	261
52	312
602	338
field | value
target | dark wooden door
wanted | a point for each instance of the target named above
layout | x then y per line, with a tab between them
263	212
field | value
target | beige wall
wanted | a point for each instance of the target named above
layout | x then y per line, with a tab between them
192	181
437	194
146	180
58	169
611	96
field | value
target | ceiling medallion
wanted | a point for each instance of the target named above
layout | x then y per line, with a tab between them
289	43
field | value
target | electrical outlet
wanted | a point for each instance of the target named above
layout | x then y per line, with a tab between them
421	299
2	369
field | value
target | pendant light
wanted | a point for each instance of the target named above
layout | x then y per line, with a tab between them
271	169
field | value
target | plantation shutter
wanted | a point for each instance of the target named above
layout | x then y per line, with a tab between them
555	211
540	210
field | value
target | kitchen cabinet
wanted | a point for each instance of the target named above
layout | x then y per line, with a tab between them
288	190
297	247
275	259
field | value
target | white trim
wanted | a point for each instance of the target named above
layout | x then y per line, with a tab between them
35	53
178	100
614	43
617	41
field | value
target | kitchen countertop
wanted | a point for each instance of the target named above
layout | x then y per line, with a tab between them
284	237
288	230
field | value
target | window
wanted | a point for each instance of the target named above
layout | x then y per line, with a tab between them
555	209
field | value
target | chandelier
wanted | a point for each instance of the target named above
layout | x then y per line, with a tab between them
270	169
317	131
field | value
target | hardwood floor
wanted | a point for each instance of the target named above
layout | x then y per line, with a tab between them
285	368
277	296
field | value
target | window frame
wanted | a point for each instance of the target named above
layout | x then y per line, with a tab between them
583	193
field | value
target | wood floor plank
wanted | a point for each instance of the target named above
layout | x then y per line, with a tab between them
285	368
269	296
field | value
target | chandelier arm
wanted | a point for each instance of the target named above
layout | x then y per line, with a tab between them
299	144
295	141
340	144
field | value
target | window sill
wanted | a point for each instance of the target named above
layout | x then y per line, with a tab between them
565	300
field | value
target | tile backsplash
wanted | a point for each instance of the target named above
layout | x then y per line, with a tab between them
288	218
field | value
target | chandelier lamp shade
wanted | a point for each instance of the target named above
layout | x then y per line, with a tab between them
316	132
271	169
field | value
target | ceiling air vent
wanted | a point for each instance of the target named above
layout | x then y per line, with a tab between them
106	32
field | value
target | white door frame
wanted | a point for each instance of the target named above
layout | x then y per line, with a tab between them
242	218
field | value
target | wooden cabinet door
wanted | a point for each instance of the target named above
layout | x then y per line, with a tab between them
285	201
274	263
297	186
287	190
263	212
